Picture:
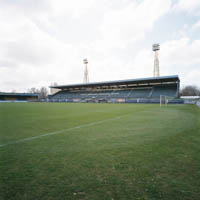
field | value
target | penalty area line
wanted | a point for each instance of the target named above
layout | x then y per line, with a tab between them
62	131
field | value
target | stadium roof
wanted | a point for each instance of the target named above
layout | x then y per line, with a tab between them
19	94
161	79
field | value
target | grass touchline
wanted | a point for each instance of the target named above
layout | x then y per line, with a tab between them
61	131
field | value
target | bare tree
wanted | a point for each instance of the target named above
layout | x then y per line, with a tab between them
43	93
33	90
190	90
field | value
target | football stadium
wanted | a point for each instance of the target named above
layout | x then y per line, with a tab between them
124	139
127	139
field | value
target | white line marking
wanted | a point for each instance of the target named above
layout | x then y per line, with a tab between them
61	131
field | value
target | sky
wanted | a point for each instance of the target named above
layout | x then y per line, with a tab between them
45	41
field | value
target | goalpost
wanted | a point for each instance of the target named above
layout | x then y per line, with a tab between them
198	103
163	100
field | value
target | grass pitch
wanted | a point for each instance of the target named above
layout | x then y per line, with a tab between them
99	151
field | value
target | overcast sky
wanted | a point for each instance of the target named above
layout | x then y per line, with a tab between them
45	41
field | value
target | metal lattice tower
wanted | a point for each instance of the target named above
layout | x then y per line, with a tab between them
86	75
156	70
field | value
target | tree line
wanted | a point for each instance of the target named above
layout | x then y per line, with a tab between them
190	90
43	92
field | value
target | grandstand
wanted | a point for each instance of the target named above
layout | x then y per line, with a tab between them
9	96
143	90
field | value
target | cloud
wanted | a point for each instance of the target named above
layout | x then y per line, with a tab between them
183	52
196	26
25	43
182	57
188	6
7	64
74	9
45	41
131	23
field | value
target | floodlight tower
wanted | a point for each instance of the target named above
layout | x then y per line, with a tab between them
156	70
86	75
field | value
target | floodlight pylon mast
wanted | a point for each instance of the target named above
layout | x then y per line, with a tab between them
86	74
156	70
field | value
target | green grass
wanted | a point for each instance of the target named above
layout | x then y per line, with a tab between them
148	153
